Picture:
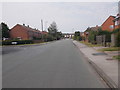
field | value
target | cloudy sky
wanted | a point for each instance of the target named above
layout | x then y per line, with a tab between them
69	16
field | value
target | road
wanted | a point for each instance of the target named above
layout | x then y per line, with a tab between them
54	65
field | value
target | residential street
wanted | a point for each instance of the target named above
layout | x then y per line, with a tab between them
57	64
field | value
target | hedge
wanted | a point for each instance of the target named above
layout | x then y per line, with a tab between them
117	38
9	42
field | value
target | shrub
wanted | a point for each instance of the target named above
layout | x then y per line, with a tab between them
50	38
92	37
117	44
9	42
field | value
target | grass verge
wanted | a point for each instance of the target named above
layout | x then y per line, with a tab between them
89	44
117	57
110	49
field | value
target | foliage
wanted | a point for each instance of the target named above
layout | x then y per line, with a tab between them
77	36
116	31
107	35
117	57
53	30
92	37
89	44
35	38
50	37
9	42
54	34
5	30
117	39
109	49
59	35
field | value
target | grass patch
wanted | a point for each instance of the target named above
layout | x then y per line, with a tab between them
110	49
89	44
117	57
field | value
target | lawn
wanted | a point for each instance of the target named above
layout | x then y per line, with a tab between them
110	49
89	44
117	57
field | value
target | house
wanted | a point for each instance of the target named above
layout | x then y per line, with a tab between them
44	32
114	41
117	21
23	32
108	24
89	29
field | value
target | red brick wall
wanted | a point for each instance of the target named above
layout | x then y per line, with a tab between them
19	31
106	25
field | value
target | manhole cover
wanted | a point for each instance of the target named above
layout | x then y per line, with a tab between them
99	54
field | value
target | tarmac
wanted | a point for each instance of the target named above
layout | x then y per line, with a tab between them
106	67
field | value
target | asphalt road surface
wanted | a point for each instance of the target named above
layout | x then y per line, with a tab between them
54	65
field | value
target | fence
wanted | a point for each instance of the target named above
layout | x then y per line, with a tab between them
103	40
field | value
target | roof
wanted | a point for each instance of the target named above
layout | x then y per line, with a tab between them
93	28
108	18
117	17
44	32
26	28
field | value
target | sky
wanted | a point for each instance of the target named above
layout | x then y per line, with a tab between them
69	16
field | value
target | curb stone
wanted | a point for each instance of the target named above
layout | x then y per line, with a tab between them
101	73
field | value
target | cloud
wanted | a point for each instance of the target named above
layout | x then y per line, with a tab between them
0	11
67	15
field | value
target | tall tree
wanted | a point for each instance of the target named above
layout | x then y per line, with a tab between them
53	29
5	30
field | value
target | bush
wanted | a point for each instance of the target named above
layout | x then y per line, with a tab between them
50	38
117	44
9	42
92	37
116	32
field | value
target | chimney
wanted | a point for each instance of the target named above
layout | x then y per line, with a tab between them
97	26
23	24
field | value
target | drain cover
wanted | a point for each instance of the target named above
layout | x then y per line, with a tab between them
99	54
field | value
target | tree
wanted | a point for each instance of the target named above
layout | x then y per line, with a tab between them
107	35
92	37
53	30
77	36
5	30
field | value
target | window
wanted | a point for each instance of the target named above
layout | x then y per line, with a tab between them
111	26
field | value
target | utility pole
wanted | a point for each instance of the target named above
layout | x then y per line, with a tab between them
42	29
42	24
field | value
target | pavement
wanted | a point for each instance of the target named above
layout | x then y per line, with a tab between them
109	53
54	65
106	67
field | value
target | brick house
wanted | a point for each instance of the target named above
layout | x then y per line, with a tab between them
44	32
116	26
86	33
108	24
117	21
23	32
